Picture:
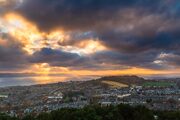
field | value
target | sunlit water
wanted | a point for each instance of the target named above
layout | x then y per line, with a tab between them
26	81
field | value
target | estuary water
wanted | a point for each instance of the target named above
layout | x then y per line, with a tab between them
33	80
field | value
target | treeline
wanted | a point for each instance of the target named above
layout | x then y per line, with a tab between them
120	112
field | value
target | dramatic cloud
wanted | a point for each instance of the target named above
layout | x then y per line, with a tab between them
11	54
90	14
90	34
169	59
72	60
55	57
71	14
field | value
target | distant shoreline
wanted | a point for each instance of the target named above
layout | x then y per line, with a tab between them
22	81
15	81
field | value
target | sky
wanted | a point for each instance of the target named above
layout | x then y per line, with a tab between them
90	37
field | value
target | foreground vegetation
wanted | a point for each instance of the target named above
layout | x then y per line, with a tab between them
120	112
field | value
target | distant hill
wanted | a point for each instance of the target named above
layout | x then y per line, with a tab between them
128	80
113	82
124	81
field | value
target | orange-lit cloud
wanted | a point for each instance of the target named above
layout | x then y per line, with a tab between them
84	47
66	74
24	31
124	40
33	39
45	69
130	71
27	34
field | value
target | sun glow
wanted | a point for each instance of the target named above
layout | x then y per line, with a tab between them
90	46
33	40
85	47
41	68
28	34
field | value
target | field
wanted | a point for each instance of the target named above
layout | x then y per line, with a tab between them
113	84
158	84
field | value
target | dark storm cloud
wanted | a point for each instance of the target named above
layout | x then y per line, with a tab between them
142	51
101	60
61	58
132	25
55	57
135	32
71	14
130	43
88	14
170	59
11	54
143	60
